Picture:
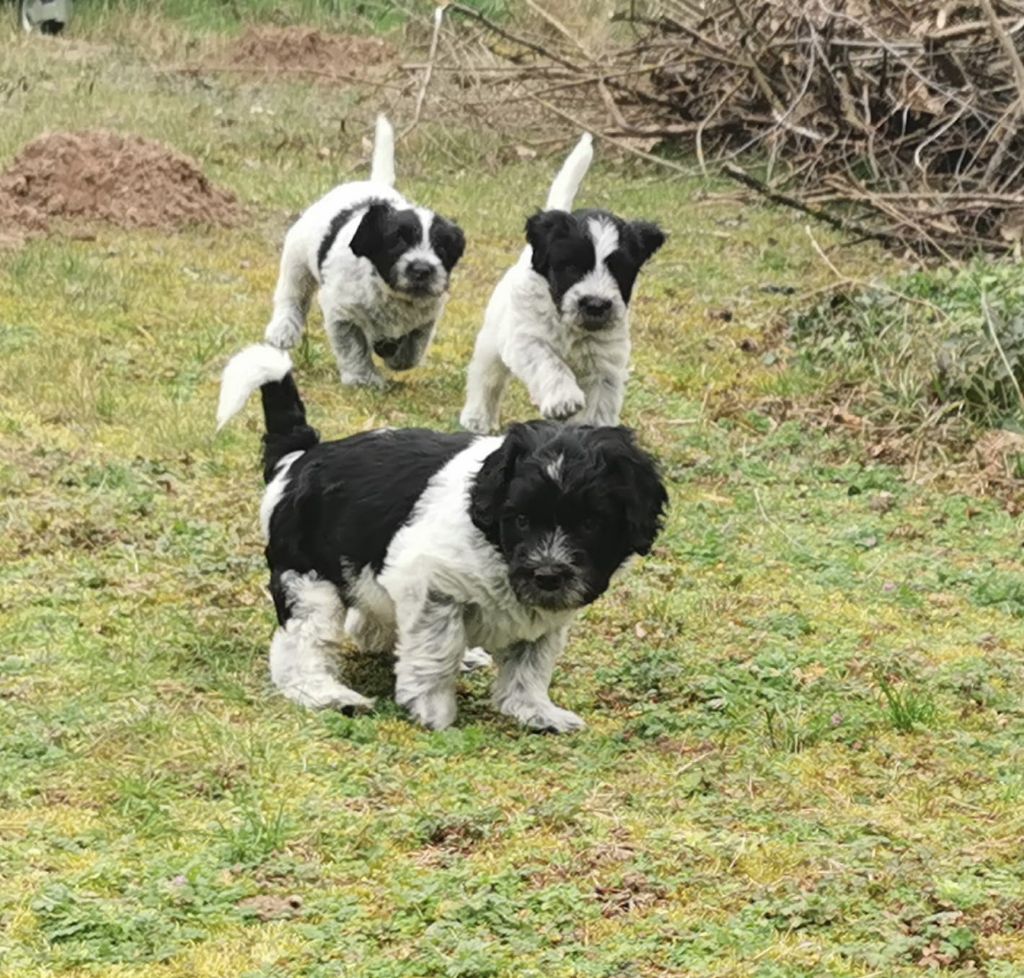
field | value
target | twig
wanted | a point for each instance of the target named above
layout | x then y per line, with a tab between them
579	124
999	346
847	227
431	58
509	36
848	280
559	26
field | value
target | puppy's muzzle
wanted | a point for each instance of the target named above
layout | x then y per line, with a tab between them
548	585
595	311
419	277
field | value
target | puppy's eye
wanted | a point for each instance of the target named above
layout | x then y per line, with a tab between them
522	521
590	524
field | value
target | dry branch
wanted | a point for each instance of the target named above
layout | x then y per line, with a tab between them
900	120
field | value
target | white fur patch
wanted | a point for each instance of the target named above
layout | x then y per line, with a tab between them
275	489
554	469
247	370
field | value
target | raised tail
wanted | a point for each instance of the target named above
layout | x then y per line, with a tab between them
382	170
284	414
574	169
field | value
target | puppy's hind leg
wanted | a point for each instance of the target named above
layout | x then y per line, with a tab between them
431	646
352	352
295	287
303	647
486	379
521	687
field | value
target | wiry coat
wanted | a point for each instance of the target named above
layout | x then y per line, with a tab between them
427	544
559	318
382	266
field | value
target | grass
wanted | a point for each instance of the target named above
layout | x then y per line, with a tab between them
804	746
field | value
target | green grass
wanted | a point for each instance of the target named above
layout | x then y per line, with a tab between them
804	753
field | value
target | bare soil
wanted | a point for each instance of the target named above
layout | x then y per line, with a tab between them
304	50
104	177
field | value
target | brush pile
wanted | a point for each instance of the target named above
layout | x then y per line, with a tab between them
901	120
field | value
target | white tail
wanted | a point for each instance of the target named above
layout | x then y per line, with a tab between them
255	366
383	168
574	169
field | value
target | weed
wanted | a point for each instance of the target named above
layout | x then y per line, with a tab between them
908	709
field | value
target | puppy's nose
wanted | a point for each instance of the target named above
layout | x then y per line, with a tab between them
594	306
385	348
549	578
419	271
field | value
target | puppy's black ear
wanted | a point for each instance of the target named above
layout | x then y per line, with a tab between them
487	497
448	241
636	484
374	226
543	228
649	238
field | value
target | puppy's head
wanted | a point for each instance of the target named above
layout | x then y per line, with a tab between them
567	506
414	250
590	260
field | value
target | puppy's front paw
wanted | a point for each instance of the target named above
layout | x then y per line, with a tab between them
544	716
284	330
373	380
324	692
476	423
563	403
435	708
476	658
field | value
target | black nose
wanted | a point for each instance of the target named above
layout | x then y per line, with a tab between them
594	307
548	578
419	271
385	348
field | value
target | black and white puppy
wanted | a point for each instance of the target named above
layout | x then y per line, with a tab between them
382	265
559	318
427	544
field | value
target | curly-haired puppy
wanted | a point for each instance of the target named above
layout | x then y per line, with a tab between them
559	318
382	266
426	544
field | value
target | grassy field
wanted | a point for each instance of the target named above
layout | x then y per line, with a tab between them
805	752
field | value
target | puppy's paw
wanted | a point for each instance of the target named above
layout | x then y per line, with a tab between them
563	403
476	423
324	692
372	380
544	716
435	708
476	659
284	331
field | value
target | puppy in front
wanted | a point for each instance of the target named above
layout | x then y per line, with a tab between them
426	544
559	318
382	266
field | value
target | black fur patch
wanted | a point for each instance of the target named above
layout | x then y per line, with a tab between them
448	241
345	501
608	500
284	417
384	235
563	250
337	223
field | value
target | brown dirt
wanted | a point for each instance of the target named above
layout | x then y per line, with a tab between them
100	176
302	50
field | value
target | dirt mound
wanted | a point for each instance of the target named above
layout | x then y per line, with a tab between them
103	176
303	49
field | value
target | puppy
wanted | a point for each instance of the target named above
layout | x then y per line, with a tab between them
559	318
434	543
383	268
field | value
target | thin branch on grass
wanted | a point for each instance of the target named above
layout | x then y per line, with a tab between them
999	347
431	58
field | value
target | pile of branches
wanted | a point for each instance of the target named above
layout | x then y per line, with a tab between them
900	120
